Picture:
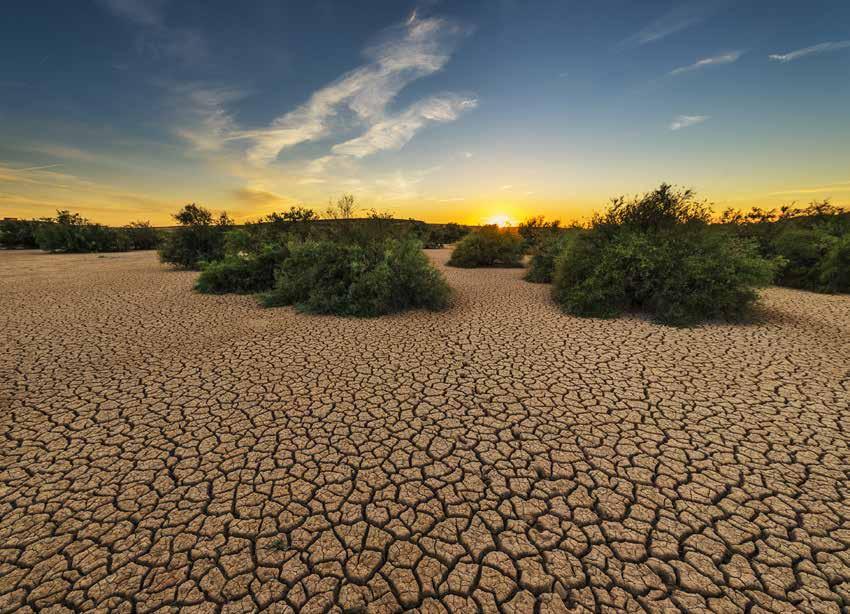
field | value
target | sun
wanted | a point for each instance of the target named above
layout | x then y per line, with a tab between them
501	220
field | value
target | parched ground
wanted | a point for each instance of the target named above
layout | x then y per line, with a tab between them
164	449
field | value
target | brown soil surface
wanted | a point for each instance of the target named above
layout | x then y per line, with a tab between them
165	449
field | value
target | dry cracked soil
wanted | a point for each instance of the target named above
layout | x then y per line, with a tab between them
165	450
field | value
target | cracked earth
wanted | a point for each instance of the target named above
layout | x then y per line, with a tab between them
161	449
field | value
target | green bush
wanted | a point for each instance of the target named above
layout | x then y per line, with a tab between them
489	246
242	273
71	233
804	240
19	234
142	235
199	239
353	279
657	254
802	250
535	231
834	268
542	267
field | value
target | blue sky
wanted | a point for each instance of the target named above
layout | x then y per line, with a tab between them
126	109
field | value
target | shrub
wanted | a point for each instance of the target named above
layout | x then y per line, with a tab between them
142	235
199	239
536	230
802	250
835	266
242	273
488	246
71	233
657	254
352	279
19	234
803	239
542	267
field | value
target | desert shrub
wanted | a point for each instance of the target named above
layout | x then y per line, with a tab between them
542	266
242	273
142	235
71	233
488	246
835	266
803	238
199	239
353	279
657	254
802	250
536	230
19	234
445	234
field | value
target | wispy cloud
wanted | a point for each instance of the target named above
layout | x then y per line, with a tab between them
681	17
726	58
395	132
835	187
686	121
210	125
359	98
156	38
75	154
142	12
813	50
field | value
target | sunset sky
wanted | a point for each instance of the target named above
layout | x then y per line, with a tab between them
443	111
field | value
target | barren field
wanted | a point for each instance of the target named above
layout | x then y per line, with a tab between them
165	449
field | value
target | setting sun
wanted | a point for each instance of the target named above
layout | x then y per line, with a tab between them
501	220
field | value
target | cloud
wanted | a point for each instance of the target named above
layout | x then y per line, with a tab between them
418	48
142	12
210	125
679	18
835	187
258	197
65	152
813	50
685	121
726	58
156	39
394	132
507	186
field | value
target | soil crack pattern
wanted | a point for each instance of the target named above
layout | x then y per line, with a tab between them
162	450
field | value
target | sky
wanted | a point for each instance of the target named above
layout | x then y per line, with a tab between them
125	110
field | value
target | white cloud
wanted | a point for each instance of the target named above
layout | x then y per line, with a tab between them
396	131
685	121
142	12
418	48
835	187
726	58
683	16
506	187
210	125
813	50
358	99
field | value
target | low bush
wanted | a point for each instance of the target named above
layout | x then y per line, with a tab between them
354	279
242	273
541	270
657	254
489	246
199	239
835	266
19	234
535	231
71	233
804	239
142	235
